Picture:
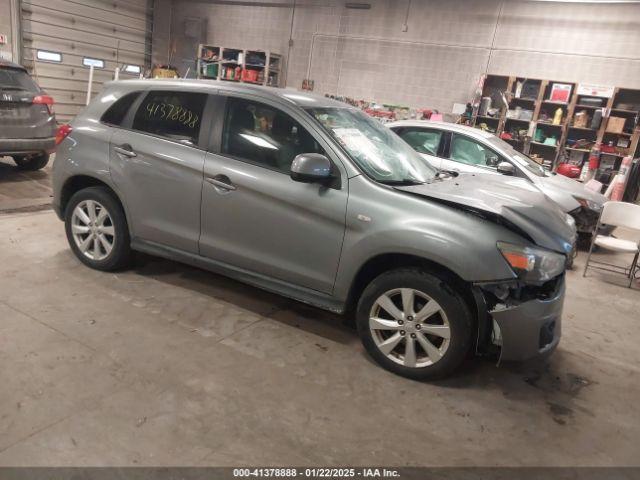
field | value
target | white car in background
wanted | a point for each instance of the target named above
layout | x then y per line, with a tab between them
458	148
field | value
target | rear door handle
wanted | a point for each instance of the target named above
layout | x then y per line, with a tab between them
125	150
221	181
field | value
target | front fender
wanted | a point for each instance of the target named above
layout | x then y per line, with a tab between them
402	223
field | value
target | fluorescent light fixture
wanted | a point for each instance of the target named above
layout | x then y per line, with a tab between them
93	62
259	141
133	69
48	56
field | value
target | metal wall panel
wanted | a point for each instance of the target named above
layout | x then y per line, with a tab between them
117	32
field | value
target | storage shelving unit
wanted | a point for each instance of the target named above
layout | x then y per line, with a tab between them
528	117
258	67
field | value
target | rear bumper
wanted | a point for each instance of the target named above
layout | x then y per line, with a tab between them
20	146
530	329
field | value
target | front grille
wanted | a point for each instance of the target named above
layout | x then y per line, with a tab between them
541	292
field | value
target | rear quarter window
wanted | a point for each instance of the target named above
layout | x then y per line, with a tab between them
117	112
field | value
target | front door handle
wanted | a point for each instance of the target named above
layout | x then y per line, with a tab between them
221	181
126	150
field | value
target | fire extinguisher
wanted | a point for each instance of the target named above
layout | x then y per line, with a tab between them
592	165
620	180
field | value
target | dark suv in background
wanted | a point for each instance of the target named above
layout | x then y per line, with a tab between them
27	121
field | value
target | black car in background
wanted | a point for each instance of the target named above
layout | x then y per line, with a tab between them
27	120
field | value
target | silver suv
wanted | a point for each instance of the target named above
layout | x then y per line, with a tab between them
311	199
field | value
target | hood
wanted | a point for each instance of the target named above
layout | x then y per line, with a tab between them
562	190
513	199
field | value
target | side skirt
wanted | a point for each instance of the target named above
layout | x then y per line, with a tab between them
301	294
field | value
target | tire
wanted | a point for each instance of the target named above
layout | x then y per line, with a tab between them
111	229
31	162
445	354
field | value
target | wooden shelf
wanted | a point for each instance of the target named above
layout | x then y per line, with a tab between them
265	64
544	144
592	107
497	86
622	110
583	128
584	150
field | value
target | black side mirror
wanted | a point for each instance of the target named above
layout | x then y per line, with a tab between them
506	168
311	168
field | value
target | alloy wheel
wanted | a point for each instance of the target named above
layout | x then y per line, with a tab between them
409	327
93	230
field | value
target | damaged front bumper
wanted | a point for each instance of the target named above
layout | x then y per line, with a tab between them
528	326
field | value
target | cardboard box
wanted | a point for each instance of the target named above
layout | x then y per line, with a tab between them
615	125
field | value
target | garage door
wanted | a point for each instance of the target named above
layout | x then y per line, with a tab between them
62	38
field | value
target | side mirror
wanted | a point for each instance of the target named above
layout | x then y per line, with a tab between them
311	168
506	168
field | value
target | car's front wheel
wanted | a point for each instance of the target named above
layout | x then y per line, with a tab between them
31	162
414	324
97	229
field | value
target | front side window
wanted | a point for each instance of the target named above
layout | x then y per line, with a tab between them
466	150
379	152
173	115
422	140
264	135
520	158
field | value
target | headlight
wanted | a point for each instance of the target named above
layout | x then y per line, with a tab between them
570	220
532	264
589	204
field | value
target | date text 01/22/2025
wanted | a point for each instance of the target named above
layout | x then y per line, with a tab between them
333	473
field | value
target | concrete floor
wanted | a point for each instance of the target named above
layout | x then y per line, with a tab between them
169	365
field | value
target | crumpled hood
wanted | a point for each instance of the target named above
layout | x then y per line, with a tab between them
562	190
514	199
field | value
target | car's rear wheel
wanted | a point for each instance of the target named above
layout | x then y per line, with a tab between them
97	229
414	324
31	162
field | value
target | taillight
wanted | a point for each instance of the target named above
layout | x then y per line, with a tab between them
44	100
62	133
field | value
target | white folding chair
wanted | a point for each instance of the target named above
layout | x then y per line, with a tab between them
619	214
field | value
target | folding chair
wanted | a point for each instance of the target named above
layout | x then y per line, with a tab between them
619	214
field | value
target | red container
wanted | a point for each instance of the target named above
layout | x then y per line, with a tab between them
569	170
250	75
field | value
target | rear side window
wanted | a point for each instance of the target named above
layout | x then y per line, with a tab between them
17	80
116	112
421	140
173	115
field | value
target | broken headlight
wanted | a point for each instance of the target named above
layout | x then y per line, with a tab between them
532	264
